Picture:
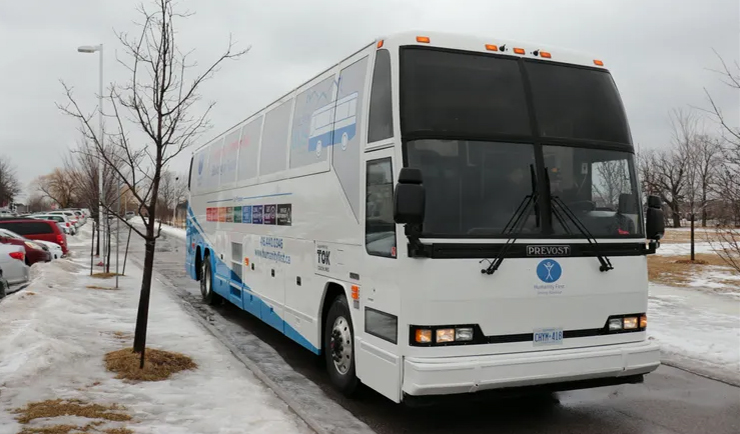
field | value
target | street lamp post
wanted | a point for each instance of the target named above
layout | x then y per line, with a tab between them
101	138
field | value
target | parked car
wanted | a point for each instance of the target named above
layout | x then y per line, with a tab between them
70	215
45	230
79	215
129	215
13	265
61	218
35	252
55	250
6	213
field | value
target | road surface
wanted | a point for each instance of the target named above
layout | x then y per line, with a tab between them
670	400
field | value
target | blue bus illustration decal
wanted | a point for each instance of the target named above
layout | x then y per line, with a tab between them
333	124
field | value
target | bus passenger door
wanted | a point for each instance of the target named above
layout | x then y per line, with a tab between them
378	357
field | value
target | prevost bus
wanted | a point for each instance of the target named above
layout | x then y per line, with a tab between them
469	220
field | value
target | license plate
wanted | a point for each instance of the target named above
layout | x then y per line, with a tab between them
548	337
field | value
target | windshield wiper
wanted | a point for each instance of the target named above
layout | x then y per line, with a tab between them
556	201
515	225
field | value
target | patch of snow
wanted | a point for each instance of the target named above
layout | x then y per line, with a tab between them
675	249
696	330
175	232
53	337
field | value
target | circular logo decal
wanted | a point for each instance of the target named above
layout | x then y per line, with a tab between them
549	271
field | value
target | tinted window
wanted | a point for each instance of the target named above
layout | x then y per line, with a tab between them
598	186
461	94
28	228
380	229
381	107
577	103
473	188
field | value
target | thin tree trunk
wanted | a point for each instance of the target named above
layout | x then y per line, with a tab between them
693	256
142	317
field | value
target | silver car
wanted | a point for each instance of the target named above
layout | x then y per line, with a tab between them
13	264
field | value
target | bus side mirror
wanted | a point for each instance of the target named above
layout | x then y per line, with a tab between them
409	200
654	221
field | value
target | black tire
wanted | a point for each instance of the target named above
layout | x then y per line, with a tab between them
206	283
338	336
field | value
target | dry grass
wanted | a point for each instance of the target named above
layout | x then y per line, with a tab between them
701	235
158	365
104	275
102	288
679	270
100	414
121	336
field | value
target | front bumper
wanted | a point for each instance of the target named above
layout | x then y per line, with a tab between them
450	375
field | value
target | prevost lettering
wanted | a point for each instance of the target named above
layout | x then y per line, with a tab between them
548	250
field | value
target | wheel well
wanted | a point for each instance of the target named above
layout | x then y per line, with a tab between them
199	261
333	290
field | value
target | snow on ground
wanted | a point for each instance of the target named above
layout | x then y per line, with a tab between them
175	232
696	330
677	249
54	334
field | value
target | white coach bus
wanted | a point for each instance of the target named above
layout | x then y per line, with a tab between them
480	226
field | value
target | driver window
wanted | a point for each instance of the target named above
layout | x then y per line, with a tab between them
609	180
380	228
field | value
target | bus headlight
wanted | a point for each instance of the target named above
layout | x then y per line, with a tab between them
464	334
630	322
423	336
615	324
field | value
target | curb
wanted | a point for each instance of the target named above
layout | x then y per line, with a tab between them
282	394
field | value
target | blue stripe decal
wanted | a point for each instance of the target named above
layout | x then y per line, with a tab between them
228	288
251	197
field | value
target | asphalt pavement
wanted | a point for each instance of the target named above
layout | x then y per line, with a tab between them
670	401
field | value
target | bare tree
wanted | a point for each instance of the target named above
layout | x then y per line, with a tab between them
160	99
728	178
59	186
37	203
667	178
173	189
10	186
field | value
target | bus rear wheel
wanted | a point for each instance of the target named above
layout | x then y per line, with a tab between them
339	347
206	283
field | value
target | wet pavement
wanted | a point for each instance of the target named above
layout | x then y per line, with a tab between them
670	400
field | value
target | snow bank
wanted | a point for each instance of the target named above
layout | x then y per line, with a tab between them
697	330
54	334
175	232
675	249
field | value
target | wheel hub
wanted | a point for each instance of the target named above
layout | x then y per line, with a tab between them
340	345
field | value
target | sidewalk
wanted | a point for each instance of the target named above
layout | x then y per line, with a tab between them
53	337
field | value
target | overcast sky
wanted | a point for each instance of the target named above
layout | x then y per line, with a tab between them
659	51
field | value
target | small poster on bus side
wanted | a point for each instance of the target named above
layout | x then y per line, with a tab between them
247	214
257	214
270	216
285	214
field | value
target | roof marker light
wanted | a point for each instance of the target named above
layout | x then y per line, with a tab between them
545	54
519	50
423	39
598	63
490	47
380	44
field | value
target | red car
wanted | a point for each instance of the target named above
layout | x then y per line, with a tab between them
34	252
44	230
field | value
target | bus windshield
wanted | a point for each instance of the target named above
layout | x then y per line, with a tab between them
480	139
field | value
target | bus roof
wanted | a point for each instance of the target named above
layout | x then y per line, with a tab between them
490	45
449	41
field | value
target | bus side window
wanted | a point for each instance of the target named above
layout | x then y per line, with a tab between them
380	229
380	125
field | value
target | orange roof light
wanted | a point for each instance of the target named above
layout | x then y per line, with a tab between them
380	44
423	39
490	47
598	63
546	54
519	50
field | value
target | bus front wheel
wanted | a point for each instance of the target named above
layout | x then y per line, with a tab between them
339	347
